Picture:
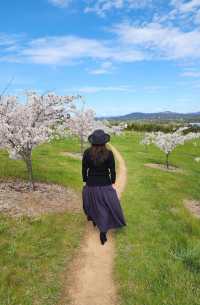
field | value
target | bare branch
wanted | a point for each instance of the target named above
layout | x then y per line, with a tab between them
6	87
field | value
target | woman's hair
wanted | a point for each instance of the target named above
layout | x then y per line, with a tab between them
99	153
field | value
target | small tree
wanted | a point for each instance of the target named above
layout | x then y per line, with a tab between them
81	124
107	127
23	126
147	139
167	142
118	129
104	125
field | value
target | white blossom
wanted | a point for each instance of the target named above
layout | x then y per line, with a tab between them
24	125
108	128
81	123
14	155
118	129
167	142
148	138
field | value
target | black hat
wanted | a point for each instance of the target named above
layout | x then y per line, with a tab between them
99	137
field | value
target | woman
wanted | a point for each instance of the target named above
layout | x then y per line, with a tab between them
100	201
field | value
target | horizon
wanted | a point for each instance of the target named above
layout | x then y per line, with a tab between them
167	111
123	56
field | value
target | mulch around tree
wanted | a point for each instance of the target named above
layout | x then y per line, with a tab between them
163	167
16	200
72	155
193	206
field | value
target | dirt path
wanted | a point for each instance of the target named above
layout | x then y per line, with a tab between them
92	281
122	172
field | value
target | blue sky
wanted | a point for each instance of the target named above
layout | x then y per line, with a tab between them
122	55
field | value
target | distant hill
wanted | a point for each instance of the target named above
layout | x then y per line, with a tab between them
161	116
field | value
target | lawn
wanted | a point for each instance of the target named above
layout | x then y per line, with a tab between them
49	165
34	253
158	253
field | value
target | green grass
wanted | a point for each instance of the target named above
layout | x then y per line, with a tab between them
49	165
158	253
35	253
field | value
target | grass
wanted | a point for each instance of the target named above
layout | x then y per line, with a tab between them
158	253
49	165
34	253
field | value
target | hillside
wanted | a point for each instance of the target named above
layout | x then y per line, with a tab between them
166	115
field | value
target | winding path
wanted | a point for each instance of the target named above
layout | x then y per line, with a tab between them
91	281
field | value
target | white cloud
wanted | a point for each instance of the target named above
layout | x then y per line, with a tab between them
71	49
9	41
186	7
160	41
150	41
101	7
153	88
197	17
60	3
97	89
9	46
105	68
191	73
64	49
185	13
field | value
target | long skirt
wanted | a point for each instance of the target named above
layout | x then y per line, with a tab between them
101	205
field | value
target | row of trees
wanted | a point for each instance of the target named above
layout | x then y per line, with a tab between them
160	126
167	142
151	127
25	125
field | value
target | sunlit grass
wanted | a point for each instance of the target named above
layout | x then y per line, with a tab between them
35	253
49	165
158	253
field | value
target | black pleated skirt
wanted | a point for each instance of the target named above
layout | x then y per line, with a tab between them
101	205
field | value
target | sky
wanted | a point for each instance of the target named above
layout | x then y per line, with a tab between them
122	56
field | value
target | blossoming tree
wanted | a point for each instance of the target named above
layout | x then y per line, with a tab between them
23	126
81	124
147	139
167	142
110	128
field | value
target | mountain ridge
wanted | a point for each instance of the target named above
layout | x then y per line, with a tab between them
164	115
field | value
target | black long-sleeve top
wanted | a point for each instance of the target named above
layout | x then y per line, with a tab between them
98	175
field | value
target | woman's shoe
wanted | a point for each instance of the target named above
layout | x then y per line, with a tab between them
89	218
103	237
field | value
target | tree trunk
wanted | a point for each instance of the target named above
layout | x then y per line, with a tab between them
30	173
167	160
82	147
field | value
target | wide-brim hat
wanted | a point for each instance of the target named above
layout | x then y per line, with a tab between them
99	137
